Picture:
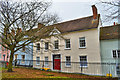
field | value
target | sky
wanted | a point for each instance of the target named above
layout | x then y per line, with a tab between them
73	9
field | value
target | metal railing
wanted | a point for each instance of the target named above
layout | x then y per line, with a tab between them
3	64
89	68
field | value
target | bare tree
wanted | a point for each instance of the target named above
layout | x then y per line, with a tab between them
110	10
17	20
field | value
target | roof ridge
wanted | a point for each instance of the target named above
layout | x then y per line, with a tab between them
110	26
72	20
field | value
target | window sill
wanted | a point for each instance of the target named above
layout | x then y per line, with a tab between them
45	50
46	66
82	47
55	49
68	66
37	50
67	48
37	64
83	66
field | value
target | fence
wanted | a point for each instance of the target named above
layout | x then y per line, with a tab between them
74	67
3	64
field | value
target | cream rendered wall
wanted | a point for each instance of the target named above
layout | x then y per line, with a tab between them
92	45
92	50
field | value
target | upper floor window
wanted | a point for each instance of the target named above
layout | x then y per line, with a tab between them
82	42
68	61
83	61
56	44
0	48
16	55
23	57
46	45
116	53
3	49
0	56
67	43
23	49
38	46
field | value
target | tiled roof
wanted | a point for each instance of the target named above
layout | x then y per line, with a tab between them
78	24
69	26
110	32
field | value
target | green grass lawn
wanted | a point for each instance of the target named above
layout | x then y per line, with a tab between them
35	74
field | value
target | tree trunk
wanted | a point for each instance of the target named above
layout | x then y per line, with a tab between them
10	62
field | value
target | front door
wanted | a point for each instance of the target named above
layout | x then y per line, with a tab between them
56	62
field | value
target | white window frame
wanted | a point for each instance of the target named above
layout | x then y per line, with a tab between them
67	44
55	44
86	65
66	63
82	38
37	61
46	63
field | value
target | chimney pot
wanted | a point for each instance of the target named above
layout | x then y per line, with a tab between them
94	9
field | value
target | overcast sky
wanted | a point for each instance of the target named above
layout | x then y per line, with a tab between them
73	9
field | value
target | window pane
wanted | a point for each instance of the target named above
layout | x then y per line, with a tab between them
46	61
68	61
82	42
46	46
118	51
114	54
23	57
83	61
0	56
56	44
38	60
67	42
38	46
23	49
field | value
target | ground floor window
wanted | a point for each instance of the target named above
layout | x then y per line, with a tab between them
37	60
83	61
46	61
68	61
116	53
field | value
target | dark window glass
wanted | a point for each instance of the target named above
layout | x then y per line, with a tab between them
67	41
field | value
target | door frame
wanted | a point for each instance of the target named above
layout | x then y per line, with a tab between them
60	60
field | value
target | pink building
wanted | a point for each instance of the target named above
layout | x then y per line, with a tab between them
4	54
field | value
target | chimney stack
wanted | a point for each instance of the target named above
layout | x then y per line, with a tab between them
94	9
40	25
114	24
